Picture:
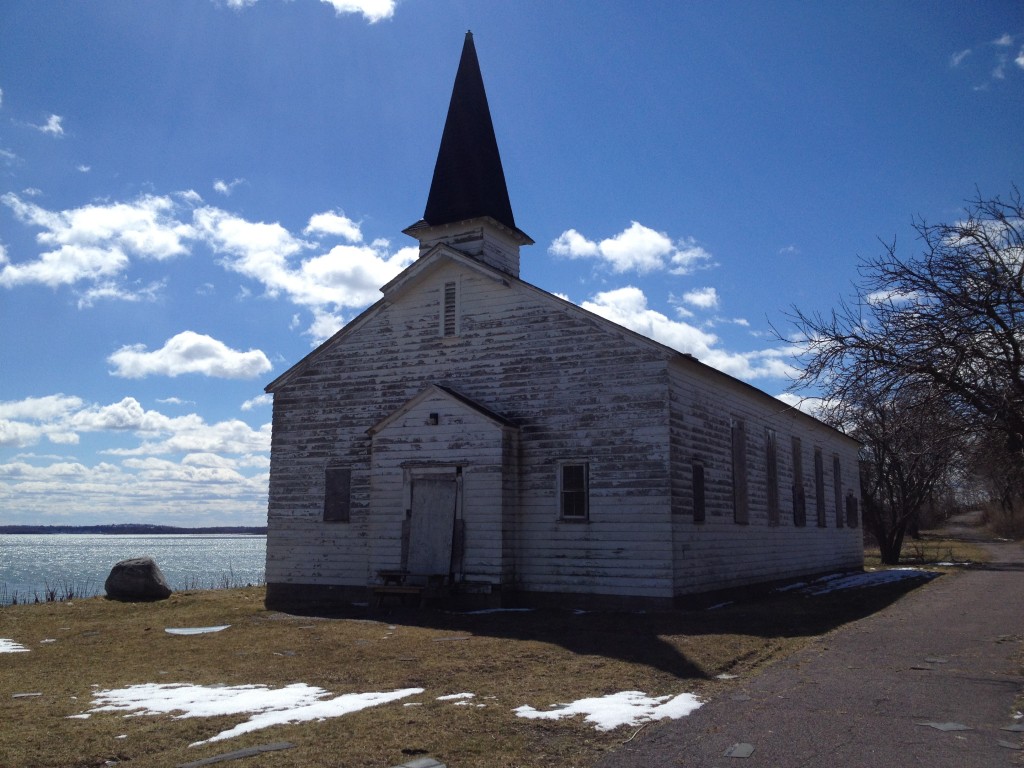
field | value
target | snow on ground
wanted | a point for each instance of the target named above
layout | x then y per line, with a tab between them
837	581
9	646
291	704
615	709
456	696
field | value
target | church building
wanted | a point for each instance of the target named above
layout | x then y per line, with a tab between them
475	438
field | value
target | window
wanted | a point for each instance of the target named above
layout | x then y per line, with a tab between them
799	500
699	508
771	476
740	500
851	510
574	491
837	486
449	310
337	486
819	487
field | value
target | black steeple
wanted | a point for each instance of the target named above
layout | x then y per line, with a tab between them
468	178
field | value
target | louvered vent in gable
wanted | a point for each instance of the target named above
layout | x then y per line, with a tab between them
450	310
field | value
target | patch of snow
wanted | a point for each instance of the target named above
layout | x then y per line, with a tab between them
616	709
9	646
291	704
716	606
84	716
836	581
725	676
195	630
455	696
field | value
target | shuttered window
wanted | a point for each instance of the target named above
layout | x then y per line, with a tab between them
740	499
771	458
851	510
837	486
449	312
574	491
799	499
337	489
819	487
699	508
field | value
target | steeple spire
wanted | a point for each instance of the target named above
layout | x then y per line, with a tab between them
469	182
468	178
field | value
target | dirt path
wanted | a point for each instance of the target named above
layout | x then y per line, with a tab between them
949	653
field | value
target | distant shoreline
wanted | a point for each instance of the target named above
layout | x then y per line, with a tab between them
131	529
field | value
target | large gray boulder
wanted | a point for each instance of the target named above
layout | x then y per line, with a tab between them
138	578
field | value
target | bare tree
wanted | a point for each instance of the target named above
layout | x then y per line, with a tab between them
911	446
950	318
926	363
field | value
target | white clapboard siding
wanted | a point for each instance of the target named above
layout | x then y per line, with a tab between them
529	381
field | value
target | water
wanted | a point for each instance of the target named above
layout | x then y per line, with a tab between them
29	563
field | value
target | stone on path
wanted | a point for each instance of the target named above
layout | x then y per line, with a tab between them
138	578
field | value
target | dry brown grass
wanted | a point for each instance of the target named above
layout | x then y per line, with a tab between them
931	550
506	659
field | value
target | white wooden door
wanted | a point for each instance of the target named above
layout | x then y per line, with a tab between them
431	525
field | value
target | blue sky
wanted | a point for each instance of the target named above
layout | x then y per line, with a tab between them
193	194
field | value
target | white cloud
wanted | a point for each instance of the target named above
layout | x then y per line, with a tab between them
111	291
83	168
704	298
226	187
636	248
345	276
181	469
372	10
1004	40
52	126
95	242
957	58
334	223
98	243
628	307
258	402
1019	60
189	352
809	405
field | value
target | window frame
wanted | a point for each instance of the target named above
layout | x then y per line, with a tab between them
337	494
563	491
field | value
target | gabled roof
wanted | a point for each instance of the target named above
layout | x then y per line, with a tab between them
448	393
469	181
441	253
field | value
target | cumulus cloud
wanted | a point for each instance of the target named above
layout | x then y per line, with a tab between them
637	247
53	126
226	187
189	352
703	298
258	402
334	223
96	241
346	276
371	10
628	307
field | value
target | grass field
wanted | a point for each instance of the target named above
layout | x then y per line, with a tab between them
507	660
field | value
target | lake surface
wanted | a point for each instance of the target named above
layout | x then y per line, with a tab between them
30	563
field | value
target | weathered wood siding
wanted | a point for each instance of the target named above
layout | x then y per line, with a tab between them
461	440
574	389
719	552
